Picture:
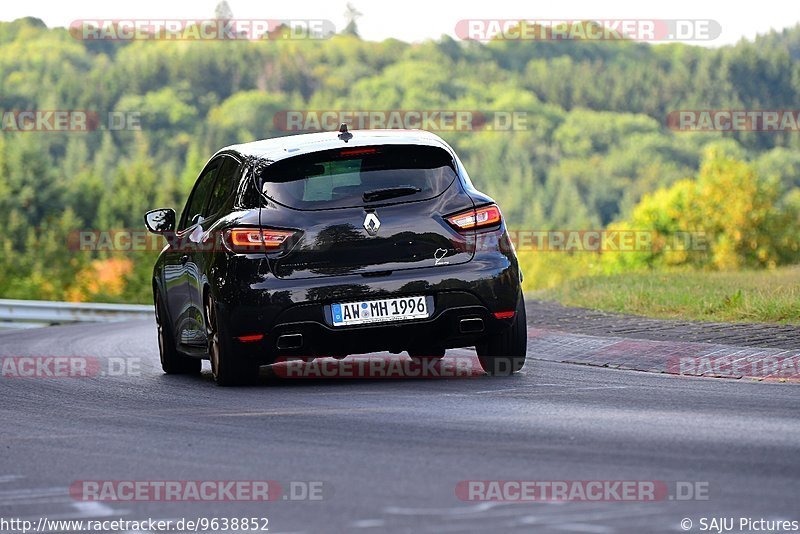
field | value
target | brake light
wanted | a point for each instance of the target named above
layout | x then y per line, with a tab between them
476	218
357	151
243	240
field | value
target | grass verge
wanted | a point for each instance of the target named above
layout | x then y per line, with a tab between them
748	296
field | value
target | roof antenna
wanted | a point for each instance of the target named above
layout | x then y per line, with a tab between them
344	135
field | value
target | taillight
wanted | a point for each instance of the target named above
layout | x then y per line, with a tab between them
244	240
476	218
358	151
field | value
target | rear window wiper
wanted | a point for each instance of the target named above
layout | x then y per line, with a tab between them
390	192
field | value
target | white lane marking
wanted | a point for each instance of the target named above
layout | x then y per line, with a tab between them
9	478
461	510
534	389
558	515
313	410
583	527
590	388
93	509
526	386
481	391
572	515
368	523
31	496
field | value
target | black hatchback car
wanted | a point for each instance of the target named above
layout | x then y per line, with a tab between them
331	244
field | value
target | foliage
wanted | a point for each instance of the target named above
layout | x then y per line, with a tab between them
728	218
594	149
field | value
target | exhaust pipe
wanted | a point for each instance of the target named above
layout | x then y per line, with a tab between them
290	341
471	326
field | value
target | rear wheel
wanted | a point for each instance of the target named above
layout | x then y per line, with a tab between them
225	367
504	353
172	361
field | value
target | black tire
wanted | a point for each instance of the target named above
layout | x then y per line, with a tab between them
425	355
504	353
172	361
226	369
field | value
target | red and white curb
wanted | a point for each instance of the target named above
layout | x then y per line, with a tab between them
680	358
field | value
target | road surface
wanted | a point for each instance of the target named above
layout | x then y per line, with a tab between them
389	453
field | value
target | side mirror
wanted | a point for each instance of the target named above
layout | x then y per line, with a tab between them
160	221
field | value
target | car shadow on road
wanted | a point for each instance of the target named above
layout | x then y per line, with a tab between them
368	370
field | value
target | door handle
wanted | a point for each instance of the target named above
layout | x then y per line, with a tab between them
184	259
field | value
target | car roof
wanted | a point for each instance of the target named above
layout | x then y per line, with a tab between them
278	148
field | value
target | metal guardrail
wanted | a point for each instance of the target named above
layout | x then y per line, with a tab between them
33	313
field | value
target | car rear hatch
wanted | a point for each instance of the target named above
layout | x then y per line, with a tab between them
365	210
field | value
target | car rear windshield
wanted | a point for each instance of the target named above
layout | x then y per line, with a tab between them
359	176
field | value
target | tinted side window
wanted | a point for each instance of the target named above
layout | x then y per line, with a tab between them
224	185
199	198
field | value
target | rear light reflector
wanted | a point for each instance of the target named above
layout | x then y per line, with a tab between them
243	240
504	314
251	338
476	218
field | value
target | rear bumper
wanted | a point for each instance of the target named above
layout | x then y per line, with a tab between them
275	308
309	339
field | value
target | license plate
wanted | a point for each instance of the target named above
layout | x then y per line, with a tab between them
379	311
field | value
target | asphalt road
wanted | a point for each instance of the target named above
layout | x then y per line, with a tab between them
390	452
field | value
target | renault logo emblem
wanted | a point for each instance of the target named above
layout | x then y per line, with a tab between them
372	223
